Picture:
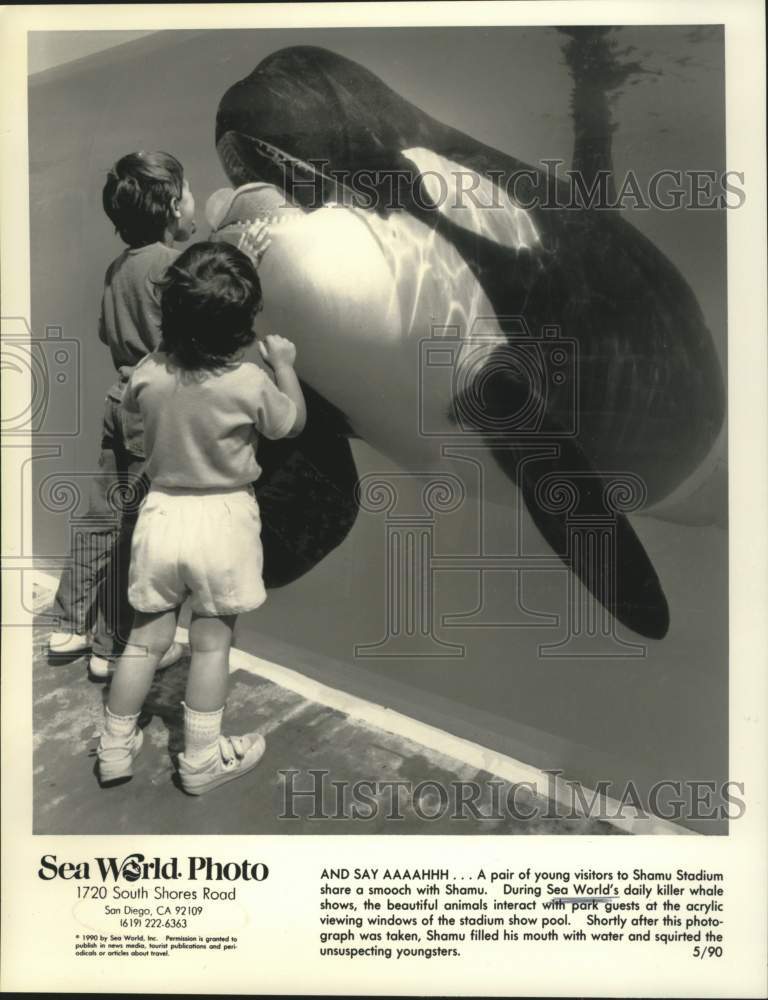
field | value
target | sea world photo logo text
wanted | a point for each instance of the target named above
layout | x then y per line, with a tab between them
136	867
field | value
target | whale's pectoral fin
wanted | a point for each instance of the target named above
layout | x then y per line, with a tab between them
578	510
598	544
306	494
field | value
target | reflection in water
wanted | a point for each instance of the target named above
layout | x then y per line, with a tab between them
598	68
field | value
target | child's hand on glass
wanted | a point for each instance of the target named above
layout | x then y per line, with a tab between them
255	241
277	351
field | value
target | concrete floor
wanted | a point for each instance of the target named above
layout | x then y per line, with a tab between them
300	734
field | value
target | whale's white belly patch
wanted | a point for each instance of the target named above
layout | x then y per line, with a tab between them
364	298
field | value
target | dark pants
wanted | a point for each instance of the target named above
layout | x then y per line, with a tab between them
94	594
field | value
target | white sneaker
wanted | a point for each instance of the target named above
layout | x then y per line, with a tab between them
63	643
101	668
116	755
230	757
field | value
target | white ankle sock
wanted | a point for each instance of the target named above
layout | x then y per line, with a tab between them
119	725
201	730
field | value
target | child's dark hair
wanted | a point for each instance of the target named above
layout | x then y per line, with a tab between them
138	193
210	296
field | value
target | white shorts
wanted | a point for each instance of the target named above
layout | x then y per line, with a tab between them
203	544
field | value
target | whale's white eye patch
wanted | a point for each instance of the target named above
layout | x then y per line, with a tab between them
217	206
472	201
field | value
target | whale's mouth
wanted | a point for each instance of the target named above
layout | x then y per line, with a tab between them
247	159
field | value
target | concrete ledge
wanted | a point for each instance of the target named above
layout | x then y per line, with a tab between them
414	738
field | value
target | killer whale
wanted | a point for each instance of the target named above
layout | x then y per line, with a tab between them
650	395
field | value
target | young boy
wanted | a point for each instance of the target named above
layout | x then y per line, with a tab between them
198	531
148	199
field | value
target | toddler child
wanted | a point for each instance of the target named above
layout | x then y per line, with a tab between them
198	530
148	199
